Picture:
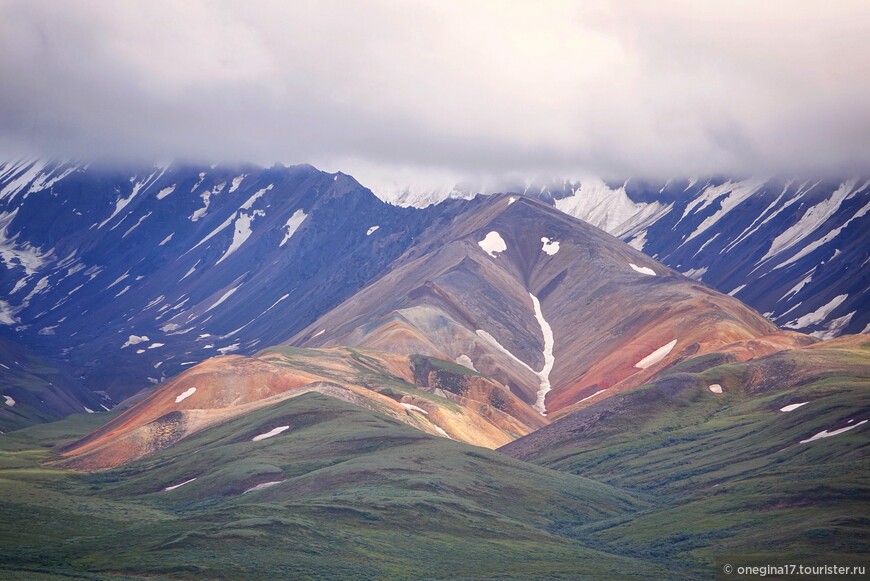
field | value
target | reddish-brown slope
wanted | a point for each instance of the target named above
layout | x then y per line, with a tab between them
451	403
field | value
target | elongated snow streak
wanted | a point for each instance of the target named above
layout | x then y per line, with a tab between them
486	336
168	488
549	360
827	434
642	269
591	396
414	408
275	303
270	433
292	225
793	406
263	485
655	356
185	394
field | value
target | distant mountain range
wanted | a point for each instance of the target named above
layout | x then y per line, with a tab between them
130	276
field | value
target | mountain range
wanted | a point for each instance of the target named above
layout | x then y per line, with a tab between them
272	370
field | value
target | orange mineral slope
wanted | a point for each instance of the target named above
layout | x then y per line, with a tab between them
447	400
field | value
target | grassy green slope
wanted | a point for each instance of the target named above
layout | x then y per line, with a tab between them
363	496
727	474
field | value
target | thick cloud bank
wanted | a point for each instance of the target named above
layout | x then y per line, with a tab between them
463	88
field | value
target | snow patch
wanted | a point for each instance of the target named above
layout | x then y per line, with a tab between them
591	396
237	181
241	232
797	288
190	271
827	434
793	406
412	407
551	247
199	182
165	192
292	225
824	239
259	194
276	302
206	200
655	356
493	244
224	297
549	360
609	209
136	225
135	340
642	269
834	328
263	485
818	315
270	433
174	486
696	273
167	239
715	388
810	221
88	410
185	394
494	342
465	361
372	230
123	202
9	401
736	195
119	279
7	314
638	241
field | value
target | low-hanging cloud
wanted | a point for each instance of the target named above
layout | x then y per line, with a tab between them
467	88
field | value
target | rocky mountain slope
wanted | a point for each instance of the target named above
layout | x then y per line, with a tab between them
546	304
793	249
130	276
34	389
436	397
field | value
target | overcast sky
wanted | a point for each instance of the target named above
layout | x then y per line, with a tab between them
435	88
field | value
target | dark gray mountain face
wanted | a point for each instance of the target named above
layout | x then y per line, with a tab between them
33	389
131	276
796	250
